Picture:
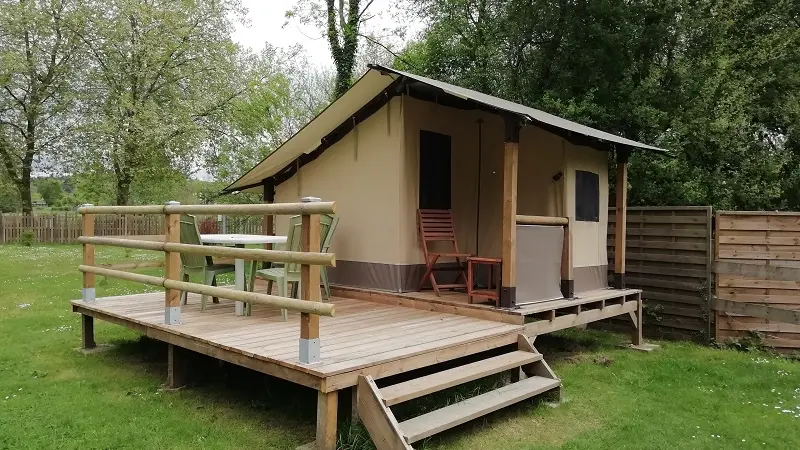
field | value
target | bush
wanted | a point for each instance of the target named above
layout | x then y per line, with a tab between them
27	238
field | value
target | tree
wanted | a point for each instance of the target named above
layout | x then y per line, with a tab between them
162	73
39	66
343	23
50	190
715	82
291	93
9	197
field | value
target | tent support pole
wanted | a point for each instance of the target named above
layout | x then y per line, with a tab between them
508	291
620	223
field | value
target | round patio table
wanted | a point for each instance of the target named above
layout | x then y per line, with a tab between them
240	240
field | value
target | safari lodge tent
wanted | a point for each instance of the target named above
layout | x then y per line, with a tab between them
522	185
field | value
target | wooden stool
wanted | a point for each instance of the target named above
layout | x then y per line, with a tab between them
491	293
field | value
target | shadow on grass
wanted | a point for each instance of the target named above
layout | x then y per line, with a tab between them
283	403
268	399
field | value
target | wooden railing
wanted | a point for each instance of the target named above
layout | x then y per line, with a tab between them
309	305
567	280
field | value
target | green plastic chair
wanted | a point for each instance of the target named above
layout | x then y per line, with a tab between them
290	272
326	246
198	265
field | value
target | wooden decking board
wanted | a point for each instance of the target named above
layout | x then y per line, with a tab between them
287	348
395	341
364	334
456	414
402	392
348	326
339	345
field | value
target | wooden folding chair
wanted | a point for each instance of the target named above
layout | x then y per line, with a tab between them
436	225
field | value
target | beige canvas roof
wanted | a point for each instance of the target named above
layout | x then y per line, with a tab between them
376	80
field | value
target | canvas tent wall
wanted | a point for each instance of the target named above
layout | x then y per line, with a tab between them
373	175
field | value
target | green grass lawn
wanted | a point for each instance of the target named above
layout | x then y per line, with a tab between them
682	396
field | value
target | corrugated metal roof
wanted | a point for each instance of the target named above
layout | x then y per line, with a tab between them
371	84
534	115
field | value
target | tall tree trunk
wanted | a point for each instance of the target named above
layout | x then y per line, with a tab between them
343	41
124	180
24	188
24	185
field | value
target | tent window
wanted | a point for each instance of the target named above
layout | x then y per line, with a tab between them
434	170
587	196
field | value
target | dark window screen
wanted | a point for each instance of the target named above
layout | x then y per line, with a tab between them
434	170
587	196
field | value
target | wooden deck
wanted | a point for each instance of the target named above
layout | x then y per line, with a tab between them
453	302
364	338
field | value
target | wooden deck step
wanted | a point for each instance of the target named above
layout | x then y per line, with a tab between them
456	414
402	392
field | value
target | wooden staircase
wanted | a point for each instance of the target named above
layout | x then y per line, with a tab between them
535	378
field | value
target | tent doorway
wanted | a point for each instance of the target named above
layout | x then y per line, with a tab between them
434	170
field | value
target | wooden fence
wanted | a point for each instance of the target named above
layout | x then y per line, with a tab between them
65	227
758	277
669	256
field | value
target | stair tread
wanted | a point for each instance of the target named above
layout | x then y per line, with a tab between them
442	419
408	390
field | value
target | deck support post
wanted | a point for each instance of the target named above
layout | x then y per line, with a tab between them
176	366
620	222
172	268
567	277
508	291
88	292
327	406
309	288
638	322
87	332
354	419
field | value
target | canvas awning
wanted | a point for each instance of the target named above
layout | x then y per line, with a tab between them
375	88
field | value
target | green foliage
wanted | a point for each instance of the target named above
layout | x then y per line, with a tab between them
715	82
27	238
50	190
9	196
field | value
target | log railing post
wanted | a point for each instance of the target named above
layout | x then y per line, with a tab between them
88	293
172	268
621	220
309	289
508	291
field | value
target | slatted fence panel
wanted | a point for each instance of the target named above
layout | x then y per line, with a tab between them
65	227
769	239
669	255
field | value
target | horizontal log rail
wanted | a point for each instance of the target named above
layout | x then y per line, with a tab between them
251	254
302	306
244	210
542	220
133	265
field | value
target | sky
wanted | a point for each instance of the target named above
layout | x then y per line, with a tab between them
267	19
